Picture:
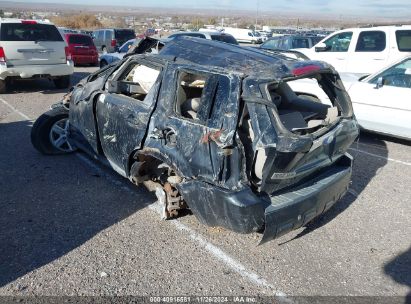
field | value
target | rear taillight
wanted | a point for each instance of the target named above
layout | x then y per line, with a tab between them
307	69
113	42
68	53
29	22
2	55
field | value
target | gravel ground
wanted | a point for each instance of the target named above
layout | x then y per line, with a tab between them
73	227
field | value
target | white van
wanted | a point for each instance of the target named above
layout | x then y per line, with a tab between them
33	49
243	35
362	50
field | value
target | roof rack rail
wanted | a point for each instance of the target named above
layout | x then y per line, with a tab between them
381	24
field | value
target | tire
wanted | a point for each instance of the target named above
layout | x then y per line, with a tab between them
103	63
50	132
3	86
62	82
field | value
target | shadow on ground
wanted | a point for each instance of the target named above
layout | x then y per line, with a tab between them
399	269
50	205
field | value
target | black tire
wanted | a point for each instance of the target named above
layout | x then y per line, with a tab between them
42	128
103	63
62	82
3	86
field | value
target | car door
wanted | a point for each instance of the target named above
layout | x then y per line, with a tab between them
123	111
370	53
194	124
336	51
383	104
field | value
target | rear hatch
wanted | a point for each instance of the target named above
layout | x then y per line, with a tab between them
32	43
81	45
293	137
122	36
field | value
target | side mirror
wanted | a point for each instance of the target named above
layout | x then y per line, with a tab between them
321	47
380	83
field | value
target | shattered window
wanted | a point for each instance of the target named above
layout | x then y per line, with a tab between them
137	82
195	94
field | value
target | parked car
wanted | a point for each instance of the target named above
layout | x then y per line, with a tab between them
381	101
133	46
109	40
288	42
211	35
363	50
82	49
108	58
33	49
244	35
227	138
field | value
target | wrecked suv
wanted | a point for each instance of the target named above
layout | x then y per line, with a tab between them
217	129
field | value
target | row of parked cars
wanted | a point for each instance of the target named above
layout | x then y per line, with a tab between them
372	61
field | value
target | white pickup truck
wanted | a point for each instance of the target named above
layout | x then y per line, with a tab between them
362	50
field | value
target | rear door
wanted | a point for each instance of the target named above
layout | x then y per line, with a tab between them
32	43
370	53
80	44
123	115
195	121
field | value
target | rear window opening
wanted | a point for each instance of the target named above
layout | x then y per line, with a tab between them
29	32
302	112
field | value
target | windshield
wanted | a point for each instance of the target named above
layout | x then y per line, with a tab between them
29	32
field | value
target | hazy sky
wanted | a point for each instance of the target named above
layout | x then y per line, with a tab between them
381	8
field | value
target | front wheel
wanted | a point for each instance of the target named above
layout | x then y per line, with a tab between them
50	132
62	82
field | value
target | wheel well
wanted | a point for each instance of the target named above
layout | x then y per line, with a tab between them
151	158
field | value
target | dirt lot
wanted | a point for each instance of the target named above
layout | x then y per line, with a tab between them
72	227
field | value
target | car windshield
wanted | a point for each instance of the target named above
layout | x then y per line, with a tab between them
29	32
80	39
224	38
124	34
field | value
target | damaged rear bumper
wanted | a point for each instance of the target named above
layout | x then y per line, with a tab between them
245	212
296	208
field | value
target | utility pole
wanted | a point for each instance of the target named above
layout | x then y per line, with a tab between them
256	17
